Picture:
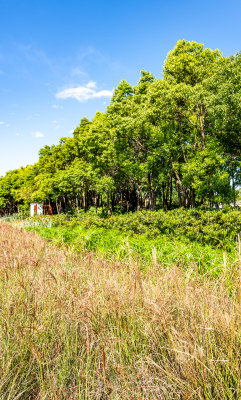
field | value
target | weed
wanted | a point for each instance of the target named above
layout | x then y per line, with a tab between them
80	327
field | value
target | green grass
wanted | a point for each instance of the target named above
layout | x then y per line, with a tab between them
194	240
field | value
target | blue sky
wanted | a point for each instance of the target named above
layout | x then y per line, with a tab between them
60	60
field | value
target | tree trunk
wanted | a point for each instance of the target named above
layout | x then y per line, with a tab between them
77	203
112	202
170	201
147	202
108	203
234	199
58	206
193	198
84	201
152	195
102	204
152	200
96	201
163	196
64	203
181	188
167	192
139	199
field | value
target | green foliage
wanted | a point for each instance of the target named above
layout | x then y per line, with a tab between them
161	144
193	239
215	227
189	62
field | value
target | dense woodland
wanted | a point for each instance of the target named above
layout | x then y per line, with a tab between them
164	143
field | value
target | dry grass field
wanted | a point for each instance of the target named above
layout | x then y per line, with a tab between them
78	327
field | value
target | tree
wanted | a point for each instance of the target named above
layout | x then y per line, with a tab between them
166	142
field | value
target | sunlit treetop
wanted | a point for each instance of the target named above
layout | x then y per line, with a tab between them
190	62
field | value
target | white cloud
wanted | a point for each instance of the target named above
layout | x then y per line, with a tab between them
71	131
103	93
56	106
91	85
38	134
4	124
17	134
84	93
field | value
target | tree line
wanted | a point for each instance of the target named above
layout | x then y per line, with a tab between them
164	143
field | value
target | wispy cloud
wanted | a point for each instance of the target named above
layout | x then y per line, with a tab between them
34	54
84	93
77	71
32	116
38	134
56	106
91	54
56	125
4	124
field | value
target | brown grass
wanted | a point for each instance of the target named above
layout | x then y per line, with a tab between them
80	328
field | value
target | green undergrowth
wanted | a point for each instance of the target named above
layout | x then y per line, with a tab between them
202	241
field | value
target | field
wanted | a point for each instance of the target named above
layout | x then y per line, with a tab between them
157	319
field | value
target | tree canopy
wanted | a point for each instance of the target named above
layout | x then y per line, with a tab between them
164	143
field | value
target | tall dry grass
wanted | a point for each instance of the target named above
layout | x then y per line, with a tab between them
80	328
